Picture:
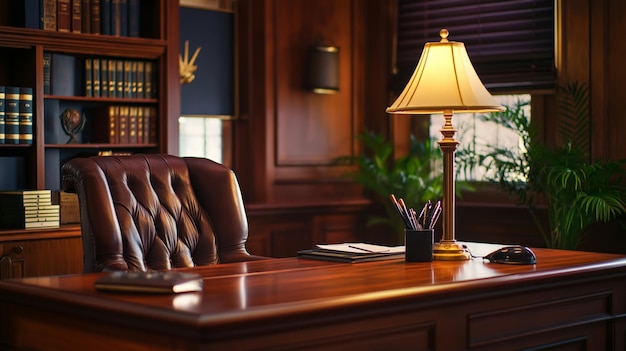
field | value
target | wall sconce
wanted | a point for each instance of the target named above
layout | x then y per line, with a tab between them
321	70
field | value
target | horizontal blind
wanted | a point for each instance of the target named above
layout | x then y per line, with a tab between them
510	43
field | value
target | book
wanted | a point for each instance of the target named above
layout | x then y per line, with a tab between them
76	13
116	17
147	82
68	204
2	93
64	16
49	14
123	22
123	122
96	77
353	252
24	198
88	77
158	282
94	16
128	79
12	115
132	125
26	116
112	75
104	77
133	18
140	79
47	59
105	17
119	78
133	79
85	18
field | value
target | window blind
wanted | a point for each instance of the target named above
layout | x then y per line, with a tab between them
510	43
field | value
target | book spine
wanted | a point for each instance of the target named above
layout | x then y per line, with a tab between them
2	96
96	77
105	124
49	8
119	78
123	125
111	80
132	125
128	78
26	116
85	19
123	18
32	16
95	17
152	125
147	83
133	19
140	126
64	16
47	60
133	79
88	77
105	17
116	17
140	79
77	17
104	78
12	115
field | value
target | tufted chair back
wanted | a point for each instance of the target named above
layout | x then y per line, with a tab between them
157	212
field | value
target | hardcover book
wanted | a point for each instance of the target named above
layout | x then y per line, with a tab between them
96	77
104	77
64	16
133	18
95	17
85	18
88	77
105	124
76	11
26	115
47	59
12	115
49	12
105	17
158	282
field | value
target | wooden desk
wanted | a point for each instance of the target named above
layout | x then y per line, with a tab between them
568	300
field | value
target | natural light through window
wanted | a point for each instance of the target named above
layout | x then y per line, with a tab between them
201	137
472	132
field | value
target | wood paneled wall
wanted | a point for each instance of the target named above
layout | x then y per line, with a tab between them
287	137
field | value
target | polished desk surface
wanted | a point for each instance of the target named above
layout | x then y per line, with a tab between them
289	289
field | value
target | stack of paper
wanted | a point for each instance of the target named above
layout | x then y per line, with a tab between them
352	252
28	209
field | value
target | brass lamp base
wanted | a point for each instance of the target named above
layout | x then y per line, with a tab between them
450	250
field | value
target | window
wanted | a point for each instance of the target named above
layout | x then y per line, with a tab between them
478	136
205	136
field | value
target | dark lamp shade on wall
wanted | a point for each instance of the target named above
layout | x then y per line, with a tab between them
321	71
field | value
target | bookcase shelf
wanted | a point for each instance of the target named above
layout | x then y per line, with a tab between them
23	53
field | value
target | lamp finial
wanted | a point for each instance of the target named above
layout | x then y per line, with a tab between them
443	33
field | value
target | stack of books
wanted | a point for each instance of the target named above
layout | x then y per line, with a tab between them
28	209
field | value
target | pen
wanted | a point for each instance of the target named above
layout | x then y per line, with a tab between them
366	250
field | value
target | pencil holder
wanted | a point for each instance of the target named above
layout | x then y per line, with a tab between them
418	245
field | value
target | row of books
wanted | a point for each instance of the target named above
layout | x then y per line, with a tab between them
16	115
108	17
28	209
125	125
119	78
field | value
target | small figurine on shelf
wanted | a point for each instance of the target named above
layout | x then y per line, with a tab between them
73	123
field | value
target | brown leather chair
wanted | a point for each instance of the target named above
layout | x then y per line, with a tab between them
157	212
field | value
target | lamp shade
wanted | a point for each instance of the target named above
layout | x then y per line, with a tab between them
444	79
322	69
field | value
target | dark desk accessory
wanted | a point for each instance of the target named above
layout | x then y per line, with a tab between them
516	254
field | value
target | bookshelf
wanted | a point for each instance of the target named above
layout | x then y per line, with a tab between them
25	52
60	86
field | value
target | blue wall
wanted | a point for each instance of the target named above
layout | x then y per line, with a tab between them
212	91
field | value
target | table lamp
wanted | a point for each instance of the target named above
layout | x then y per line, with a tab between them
444	82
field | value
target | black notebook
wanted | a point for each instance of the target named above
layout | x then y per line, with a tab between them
158	282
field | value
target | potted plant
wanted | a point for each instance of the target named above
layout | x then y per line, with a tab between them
577	192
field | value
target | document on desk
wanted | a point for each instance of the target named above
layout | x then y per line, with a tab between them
362	248
352	252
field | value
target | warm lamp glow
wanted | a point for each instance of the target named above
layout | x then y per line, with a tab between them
444	81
